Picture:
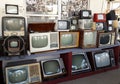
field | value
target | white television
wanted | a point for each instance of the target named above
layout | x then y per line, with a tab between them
43	41
85	23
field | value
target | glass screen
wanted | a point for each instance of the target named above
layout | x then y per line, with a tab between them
51	67
79	62
14	44
13	24
18	76
39	41
102	59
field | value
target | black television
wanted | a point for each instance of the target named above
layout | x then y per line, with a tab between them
80	63
111	15
13	26
52	68
85	14
103	58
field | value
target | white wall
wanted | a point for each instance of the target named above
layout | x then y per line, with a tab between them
97	6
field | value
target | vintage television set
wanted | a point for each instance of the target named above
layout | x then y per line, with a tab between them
63	25
80	63
85	24
111	15
99	17
52	68
68	39
13	26
74	23
23	73
88	38
106	39
85	14
14	45
101	26
103	58
43	41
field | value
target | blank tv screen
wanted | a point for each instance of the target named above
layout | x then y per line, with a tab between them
39	41
105	39
67	39
17	76
51	67
79	62
102	59
13	24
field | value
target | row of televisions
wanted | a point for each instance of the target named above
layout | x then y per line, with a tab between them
32	70
62	40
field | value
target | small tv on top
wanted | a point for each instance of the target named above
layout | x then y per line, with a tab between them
43	41
13	26
63	25
99	17
85	14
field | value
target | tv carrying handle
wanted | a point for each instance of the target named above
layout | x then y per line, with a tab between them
11	37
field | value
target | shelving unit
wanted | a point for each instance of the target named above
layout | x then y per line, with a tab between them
66	55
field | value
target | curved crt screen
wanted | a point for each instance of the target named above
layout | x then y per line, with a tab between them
13	44
67	40
13	24
102	59
105	39
39	41
79	62
18	76
51	67
88	23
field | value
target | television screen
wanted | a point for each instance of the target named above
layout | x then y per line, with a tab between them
103	58
85	23
69	39
39	41
85	14
13	26
99	17
106	39
14	44
18	75
43	41
23	74
63	25
52	67
101	26
89	39
80	62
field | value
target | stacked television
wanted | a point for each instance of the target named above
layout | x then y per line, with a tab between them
14	35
